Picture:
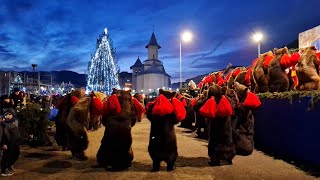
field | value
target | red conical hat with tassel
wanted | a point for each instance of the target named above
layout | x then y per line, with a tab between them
179	110
209	108
252	101
224	108
162	106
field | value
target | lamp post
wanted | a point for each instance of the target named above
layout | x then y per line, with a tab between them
258	37
186	37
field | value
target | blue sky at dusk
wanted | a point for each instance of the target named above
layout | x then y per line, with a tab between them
61	35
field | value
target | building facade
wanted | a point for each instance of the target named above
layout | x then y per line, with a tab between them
125	80
150	75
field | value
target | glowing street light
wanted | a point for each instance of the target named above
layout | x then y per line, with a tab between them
257	38
185	37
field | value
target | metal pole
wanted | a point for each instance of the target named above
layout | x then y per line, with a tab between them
39	82
258	49
51	84
180	67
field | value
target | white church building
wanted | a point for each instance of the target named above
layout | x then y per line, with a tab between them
150	75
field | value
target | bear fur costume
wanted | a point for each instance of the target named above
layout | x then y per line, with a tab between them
307	70
162	140
190	117
115	150
234	74
78	121
65	105
201	121
278	79
221	148
243	123
260	73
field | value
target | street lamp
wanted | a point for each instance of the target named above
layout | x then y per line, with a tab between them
258	37
185	37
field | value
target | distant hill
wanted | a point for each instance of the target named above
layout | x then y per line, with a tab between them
78	80
293	45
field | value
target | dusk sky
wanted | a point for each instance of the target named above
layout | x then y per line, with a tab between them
61	35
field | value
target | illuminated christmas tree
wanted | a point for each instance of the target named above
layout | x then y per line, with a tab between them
102	70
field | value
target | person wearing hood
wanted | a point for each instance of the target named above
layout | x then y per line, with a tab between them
5	103
9	142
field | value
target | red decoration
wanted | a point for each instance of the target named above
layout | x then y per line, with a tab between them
224	108
267	61
200	85
184	102
318	55
149	105
209	108
288	61
220	80
248	77
112	105
193	102
97	106
295	57
74	100
236	72
162	106
138	107
179	110
252	101
62	103
228	77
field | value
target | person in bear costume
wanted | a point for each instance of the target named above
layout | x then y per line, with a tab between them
234	76
201	122
278	77
64	106
78	121
218	111
120	114
307	70
163	113
260	72
244	120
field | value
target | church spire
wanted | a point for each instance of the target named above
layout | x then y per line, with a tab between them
153	41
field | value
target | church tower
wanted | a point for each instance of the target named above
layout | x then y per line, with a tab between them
136	69
153	47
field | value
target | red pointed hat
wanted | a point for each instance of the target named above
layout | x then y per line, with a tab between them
138	107
112	105
267	61
162	106
209	108
236	72
179	110
224	108
252	101
97	106
193	102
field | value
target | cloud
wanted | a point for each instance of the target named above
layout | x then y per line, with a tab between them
60	35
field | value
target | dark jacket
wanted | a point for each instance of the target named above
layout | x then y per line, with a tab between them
10	133
4	105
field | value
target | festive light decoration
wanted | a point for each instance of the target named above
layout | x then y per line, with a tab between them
102	71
